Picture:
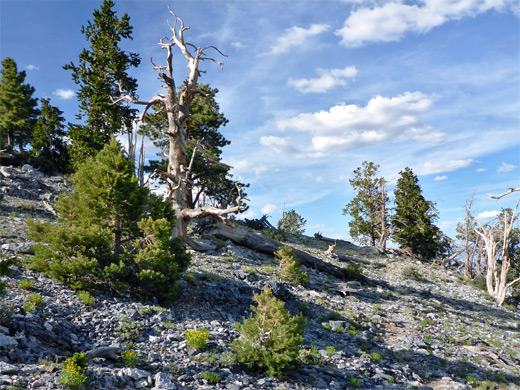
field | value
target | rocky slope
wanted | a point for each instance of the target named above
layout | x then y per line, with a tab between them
410	325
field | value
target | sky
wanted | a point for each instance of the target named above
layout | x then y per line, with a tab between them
312	89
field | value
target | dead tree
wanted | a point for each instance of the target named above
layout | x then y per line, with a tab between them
496	279
177	103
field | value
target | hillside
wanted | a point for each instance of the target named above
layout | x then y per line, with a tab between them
408	325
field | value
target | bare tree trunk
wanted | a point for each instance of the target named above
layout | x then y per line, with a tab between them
383	218
177	105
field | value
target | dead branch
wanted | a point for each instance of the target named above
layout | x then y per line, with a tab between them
497	197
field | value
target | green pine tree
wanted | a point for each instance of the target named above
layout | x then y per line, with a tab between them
209	179
101	68
49	149
292	222
270	337
367	209
413	225
18	108
111	231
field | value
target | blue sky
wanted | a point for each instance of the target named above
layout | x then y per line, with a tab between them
314	88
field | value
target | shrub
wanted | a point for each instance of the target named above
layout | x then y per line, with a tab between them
330	351
196	339
270	337
411	272
129	358
111	231
74	371
28	307
36	299
26	284
86	298
289	267
211	377
128	330
4	270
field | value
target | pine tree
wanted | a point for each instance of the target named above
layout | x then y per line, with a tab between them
111	231
49	149
368	208
291	222
210	180
18	108
413	221
101	69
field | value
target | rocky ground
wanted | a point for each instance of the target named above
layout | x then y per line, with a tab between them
410	325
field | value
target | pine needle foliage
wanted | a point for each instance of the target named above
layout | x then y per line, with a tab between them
270	337
289	267
111	233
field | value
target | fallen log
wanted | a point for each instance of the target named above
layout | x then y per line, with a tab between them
260	243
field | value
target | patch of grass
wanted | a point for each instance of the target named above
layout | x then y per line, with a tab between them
410	272
211	377
376	357
330	351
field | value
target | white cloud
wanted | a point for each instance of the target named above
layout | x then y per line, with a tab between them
329	78
487	215
32	67
391	21
347	127
440	178
248	166
238	45
481	170
64	94
247	214
269	209
430	168
506	168
296	36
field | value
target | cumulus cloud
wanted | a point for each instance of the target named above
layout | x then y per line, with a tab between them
346	127
430	168
487	215
329	78
506	168
391	21
32	67
440	178
64	94
296	36
269	209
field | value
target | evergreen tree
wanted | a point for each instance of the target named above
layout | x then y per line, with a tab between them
49	149
101	69
209	179
291	222
18	108
111	231
413	221
368	208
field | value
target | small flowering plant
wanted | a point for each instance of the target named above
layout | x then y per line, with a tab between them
128	330
74	373
129	358
196	339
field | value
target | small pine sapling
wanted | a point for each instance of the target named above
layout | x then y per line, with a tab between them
270	337
290	268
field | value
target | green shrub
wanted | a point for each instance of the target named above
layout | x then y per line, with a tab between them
330	351
411	273
270	337
26	284
36	299
74	371
111	233
289	267
86	298
28	307
211	377
129	358
196	339
128	330
5	263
